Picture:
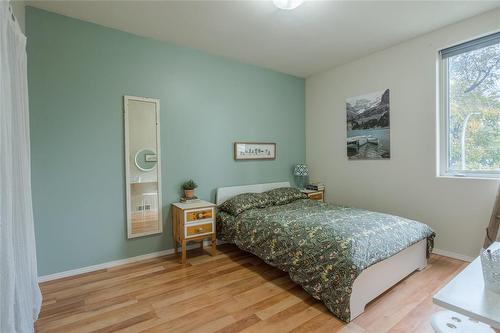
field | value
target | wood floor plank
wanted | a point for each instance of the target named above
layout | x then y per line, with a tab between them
240	325
102	320
240	311
45	324
288	319
233	291
127	323
290	300
323	319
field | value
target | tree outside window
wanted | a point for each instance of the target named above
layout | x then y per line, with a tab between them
474	110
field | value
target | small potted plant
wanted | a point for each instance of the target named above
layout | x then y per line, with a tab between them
188	188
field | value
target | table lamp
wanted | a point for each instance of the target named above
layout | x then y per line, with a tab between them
301	171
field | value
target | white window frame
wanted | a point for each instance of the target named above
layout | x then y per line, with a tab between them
443	131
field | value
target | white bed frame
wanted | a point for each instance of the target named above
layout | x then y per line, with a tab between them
374	280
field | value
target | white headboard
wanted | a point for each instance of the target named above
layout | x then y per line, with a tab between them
226	193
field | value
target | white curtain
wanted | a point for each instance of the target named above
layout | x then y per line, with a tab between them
20	296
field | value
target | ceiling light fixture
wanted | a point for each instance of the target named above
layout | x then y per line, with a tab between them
288	4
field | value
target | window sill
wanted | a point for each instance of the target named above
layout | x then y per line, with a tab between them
471	176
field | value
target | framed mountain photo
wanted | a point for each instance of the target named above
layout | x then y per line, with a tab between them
368	126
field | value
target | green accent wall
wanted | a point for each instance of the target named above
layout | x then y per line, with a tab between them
78	73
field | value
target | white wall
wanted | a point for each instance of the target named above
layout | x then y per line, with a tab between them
457	209
18	7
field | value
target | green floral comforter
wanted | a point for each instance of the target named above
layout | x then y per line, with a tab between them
323	247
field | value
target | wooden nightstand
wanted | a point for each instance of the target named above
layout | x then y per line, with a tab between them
315	195
193	222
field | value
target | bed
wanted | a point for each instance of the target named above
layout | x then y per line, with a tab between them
342	256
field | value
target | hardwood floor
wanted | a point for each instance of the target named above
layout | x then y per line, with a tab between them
231	292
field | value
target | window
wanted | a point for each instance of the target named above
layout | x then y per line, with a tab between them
470	109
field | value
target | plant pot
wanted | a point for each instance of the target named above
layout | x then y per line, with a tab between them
188	193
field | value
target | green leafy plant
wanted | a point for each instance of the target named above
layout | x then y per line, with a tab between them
474	94
189	185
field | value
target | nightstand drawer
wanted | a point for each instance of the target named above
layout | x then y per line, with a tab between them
197	215
199	229
316	196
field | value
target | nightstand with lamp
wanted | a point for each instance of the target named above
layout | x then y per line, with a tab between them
301	173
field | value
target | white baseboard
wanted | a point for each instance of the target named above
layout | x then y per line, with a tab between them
109	264
453	255
113	263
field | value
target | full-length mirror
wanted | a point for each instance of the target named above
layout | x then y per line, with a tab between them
142	166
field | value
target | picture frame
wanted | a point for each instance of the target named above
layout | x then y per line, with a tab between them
244	151
368	126
150	158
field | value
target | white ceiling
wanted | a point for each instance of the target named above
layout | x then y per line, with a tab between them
316	36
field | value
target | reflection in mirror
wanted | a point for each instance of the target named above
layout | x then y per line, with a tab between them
145	160
142	162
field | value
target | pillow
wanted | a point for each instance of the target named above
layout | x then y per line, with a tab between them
245	201
284	195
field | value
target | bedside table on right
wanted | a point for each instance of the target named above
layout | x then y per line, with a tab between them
315	195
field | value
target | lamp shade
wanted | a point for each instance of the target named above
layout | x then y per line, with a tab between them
301	170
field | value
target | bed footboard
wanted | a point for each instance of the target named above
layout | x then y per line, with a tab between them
376	279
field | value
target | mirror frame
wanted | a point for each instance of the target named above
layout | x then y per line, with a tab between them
156	101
